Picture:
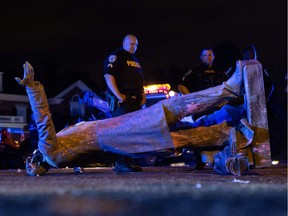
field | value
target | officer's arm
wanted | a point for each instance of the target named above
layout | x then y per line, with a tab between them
110	80
183	89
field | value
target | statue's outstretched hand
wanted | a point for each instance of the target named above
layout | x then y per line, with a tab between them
28	77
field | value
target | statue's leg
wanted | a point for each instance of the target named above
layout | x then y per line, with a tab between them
201	137
227	159
196	102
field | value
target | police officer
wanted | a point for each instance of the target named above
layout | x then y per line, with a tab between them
124	79
235	110
204	76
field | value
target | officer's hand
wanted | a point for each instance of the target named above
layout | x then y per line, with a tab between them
122	98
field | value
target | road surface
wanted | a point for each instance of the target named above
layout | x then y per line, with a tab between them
162	190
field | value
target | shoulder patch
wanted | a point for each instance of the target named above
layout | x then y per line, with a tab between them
112	58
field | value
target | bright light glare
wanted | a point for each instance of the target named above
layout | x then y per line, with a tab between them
171	93
156	88
275	162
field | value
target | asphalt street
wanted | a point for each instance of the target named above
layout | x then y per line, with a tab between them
161	190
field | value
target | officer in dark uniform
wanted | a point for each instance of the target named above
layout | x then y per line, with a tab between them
125	86
124	78
202	77
235	110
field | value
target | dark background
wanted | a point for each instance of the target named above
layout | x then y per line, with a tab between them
67	40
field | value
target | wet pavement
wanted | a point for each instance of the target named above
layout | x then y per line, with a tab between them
162	190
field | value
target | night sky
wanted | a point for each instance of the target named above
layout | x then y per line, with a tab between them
69	40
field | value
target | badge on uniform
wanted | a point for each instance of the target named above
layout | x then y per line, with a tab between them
112	58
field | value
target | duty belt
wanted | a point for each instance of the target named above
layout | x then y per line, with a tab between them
130	99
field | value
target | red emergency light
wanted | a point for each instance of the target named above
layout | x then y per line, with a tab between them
157	88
